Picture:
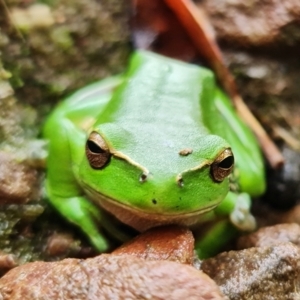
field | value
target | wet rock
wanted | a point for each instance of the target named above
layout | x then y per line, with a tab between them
16	180
255	22
107	277
165	243
17	236
257	273
271	236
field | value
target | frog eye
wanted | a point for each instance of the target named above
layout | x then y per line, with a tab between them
97	151
222	166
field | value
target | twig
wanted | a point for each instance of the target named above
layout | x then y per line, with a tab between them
287	137
19	33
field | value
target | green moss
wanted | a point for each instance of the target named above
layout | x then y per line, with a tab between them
62	38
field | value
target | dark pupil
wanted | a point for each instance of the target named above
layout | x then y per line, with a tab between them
94	147
226	163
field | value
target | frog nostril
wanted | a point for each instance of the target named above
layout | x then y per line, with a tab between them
143	177
154	201
180	182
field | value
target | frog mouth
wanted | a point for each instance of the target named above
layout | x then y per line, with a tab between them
142	220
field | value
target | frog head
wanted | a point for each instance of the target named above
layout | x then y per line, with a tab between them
149	181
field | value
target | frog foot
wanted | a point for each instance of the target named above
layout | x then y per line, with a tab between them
241	216
84	214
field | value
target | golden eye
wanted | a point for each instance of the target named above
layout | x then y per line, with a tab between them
97	151
222	166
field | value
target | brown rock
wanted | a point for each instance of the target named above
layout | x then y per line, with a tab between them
271	236
269	217
255	22
291	216
257	273
7	262
16	180
107	277
164	243
60	244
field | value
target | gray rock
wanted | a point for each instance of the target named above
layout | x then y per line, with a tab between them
265	273
255	23
16	180
271	236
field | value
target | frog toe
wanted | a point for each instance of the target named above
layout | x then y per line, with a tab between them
241	216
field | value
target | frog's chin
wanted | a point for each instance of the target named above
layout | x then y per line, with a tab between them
141	220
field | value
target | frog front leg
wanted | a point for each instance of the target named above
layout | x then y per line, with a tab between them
66	132
84	214
231	216
63	191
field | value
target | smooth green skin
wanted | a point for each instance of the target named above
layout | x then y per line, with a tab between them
147	115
